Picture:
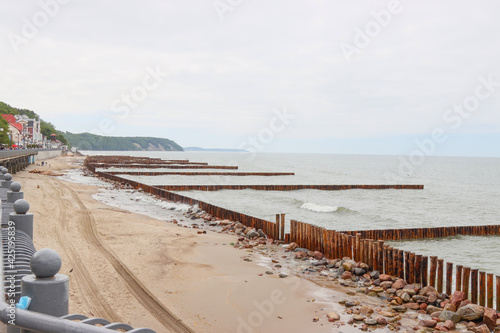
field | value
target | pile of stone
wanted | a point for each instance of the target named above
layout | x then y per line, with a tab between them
440	312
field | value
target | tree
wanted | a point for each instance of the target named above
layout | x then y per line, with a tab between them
4	132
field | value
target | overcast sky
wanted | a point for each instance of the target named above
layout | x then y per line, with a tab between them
374	77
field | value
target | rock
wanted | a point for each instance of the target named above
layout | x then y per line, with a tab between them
358	317
432	299
405	297
292	246
252	234
261	233
365	310
400	308
359	271
315	319
387	314
364	266
449	324
378	289
409	291
348	265
381	321
428	323
435	314
412	306
399	284
432	308
300	255
420	299
370	321
374	274
457	298
385	277
464	303
450	307
449	315
386	284
320	263
346	276
283	275
471	312
317	255
490	318
333	316
427	291
423	306
481	329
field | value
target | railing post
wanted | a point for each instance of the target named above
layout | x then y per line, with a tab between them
15	192
48	290
21	218
7	180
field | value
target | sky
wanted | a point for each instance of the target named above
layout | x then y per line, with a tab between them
348	77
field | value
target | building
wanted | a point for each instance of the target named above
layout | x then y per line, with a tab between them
31	130
15	129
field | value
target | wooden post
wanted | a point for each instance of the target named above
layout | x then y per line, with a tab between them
276	235
425	270
473	281
449	277
357	247
498	292
418	268
466	280
482	288
490	290
282	227
388	260
432	272
399	264
412	267
440	274
458	278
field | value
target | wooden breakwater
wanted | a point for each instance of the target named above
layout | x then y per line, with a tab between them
366	245
286	187
480	287
195	173
421	233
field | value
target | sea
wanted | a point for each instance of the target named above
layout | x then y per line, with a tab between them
458	191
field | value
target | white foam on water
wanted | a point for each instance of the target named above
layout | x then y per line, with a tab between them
319	208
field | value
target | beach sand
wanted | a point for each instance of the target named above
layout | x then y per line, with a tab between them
131	268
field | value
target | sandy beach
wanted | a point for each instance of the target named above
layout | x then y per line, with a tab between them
131	268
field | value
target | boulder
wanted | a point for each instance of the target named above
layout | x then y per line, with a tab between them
432	308
292	246
427	291
348	265
386	284
449	324
385	277
481	329
374	274
449	315
457	298
490	318
399	284
471	312
412	306
346	275
359	271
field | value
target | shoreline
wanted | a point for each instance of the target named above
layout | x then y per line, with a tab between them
200	280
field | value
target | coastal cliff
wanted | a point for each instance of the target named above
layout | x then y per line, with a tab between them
87	141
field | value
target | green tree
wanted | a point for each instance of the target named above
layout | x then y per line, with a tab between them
4	132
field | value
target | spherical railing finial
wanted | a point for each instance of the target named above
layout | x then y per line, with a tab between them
4	170
21	206
45	263
15	187
7	176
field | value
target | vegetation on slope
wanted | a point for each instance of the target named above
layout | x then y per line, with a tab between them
87	141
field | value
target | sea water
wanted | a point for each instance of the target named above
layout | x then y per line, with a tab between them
458	191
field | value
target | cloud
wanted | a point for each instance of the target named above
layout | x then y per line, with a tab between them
226	76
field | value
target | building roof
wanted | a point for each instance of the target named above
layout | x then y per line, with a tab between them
18	126
10	118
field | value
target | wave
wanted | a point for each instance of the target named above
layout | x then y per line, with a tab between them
323	208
